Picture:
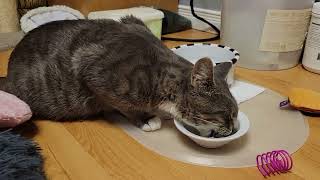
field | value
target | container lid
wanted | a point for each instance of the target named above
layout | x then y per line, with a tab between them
144	13
316	8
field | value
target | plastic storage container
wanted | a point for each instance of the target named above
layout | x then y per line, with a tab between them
267	37
311	57
151	17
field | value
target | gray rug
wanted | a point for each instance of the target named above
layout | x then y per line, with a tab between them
20	158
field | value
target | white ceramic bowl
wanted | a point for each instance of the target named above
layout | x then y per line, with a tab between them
211	142
217	53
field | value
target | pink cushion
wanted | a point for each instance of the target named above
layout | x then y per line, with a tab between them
13	111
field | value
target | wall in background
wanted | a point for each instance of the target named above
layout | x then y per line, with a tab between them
204	4
207	9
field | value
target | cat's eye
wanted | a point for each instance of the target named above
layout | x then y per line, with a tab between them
193	94
211	119
212	115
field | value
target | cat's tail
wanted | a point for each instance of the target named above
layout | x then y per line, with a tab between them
3	84
130	19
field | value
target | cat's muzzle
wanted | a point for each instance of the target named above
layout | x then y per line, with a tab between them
208	132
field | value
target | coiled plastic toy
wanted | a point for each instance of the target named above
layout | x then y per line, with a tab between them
278	161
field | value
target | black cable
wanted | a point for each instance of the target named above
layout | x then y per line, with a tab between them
197	40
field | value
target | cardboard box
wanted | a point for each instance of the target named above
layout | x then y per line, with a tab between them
99	5
4	61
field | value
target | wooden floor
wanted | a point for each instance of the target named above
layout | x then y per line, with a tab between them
96	150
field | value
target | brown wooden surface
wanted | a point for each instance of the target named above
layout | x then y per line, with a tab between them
97	5
4	62
96	149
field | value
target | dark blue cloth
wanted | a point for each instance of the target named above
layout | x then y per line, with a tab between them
20	158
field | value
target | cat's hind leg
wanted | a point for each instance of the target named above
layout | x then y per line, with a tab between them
3	82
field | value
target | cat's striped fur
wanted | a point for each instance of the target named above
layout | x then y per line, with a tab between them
76	68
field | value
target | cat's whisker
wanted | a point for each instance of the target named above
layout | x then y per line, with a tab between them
194	117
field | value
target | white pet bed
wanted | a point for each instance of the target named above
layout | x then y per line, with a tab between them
42	15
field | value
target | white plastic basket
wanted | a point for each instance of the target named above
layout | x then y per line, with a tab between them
217	53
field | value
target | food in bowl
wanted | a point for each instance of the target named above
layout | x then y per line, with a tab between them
242	128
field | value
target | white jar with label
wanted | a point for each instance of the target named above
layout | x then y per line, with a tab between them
311	57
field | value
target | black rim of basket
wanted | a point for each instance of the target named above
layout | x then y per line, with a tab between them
236	53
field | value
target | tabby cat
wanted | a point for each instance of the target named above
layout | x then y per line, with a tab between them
77	68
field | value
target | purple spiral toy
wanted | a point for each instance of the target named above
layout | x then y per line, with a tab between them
274	162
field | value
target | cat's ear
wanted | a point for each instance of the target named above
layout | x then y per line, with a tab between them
221	70
202	72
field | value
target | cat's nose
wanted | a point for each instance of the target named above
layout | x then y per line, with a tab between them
231	126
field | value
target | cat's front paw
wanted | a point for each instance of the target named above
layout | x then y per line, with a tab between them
152	125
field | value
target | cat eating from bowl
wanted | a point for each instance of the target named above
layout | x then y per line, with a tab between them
78	68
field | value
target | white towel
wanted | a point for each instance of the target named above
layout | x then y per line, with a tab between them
42	15
243	91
